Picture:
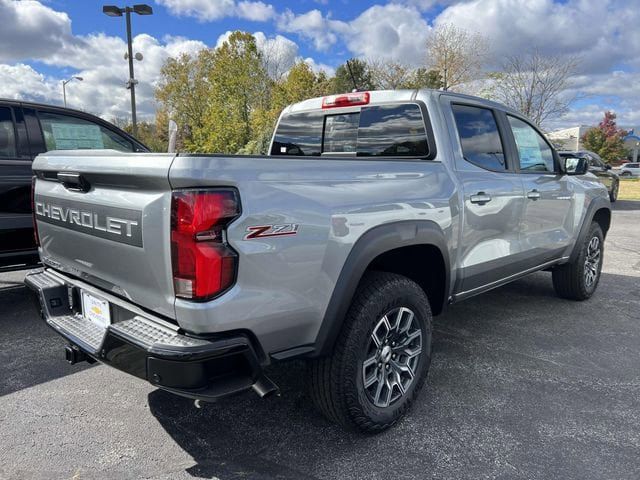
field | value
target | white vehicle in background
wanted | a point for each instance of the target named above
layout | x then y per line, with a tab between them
630	170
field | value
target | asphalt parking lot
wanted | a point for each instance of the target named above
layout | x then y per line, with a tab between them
522	385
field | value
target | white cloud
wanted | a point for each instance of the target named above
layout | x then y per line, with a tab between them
602	33
392	31
320	67
31	30
255	11
99	61
312	25
389	32
20	81
210	10
279	53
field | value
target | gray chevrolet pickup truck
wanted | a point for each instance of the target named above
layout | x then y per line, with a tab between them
373	212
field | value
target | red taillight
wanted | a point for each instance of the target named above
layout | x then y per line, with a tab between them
203	264
346	100
33	211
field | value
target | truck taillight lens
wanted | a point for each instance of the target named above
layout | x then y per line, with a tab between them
33	211
203	264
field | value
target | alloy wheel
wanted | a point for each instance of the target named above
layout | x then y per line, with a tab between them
393	355
592	262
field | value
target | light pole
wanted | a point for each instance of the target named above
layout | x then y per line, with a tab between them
64	88
114	11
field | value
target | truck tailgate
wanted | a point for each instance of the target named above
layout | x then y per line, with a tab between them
104	217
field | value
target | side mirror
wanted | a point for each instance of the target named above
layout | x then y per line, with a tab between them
575	166
607	166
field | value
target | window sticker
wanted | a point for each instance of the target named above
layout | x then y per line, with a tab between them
69	136
528	147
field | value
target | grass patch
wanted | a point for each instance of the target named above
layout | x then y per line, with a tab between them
629	189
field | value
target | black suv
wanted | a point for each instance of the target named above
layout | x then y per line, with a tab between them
27	129
599	169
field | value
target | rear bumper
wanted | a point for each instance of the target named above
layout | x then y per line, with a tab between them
149	347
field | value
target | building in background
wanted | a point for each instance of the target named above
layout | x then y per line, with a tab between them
568	138
571	139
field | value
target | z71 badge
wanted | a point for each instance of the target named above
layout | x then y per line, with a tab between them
271	231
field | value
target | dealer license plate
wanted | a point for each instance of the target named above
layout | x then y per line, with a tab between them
95	309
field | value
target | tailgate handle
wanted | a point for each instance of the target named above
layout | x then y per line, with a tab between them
73	181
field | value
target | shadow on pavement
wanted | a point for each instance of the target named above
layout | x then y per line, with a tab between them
626	205
522	385
30	352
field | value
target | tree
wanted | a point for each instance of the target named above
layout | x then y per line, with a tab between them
391	75
607	139
183	91
424	78
300	83
237	86
388	74
457	54
342	81
535	84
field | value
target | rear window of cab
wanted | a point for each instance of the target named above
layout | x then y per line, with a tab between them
374	131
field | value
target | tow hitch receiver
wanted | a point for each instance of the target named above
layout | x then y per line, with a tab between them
74	355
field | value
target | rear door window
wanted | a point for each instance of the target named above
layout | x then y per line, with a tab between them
7	134
479	137
66	132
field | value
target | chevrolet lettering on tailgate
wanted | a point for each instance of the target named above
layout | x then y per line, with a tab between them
118	224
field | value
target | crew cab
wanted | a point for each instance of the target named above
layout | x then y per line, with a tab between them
373	212
26	130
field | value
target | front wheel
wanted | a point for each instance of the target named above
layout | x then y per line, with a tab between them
381	357
578	280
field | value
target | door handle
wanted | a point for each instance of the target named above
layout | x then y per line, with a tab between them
533	195
480	198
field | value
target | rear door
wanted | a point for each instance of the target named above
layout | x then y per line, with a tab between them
16	232
108	222
547	222
493	196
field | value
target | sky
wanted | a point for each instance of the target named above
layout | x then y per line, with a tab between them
45	42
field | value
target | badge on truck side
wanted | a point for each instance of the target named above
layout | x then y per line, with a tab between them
261	231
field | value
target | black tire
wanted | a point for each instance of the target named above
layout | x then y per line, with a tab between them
613	194
625	174
337	383
571	280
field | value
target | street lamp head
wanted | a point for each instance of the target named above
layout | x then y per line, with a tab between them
79	78
143	9
112	10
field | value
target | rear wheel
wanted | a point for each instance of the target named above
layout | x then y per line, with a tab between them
579	279
381	357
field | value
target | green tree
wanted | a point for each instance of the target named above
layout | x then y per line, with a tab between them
238	85
182	93
300	83
606	139
424	78
342	81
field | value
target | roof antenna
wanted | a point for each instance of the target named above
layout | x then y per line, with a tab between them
353	79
